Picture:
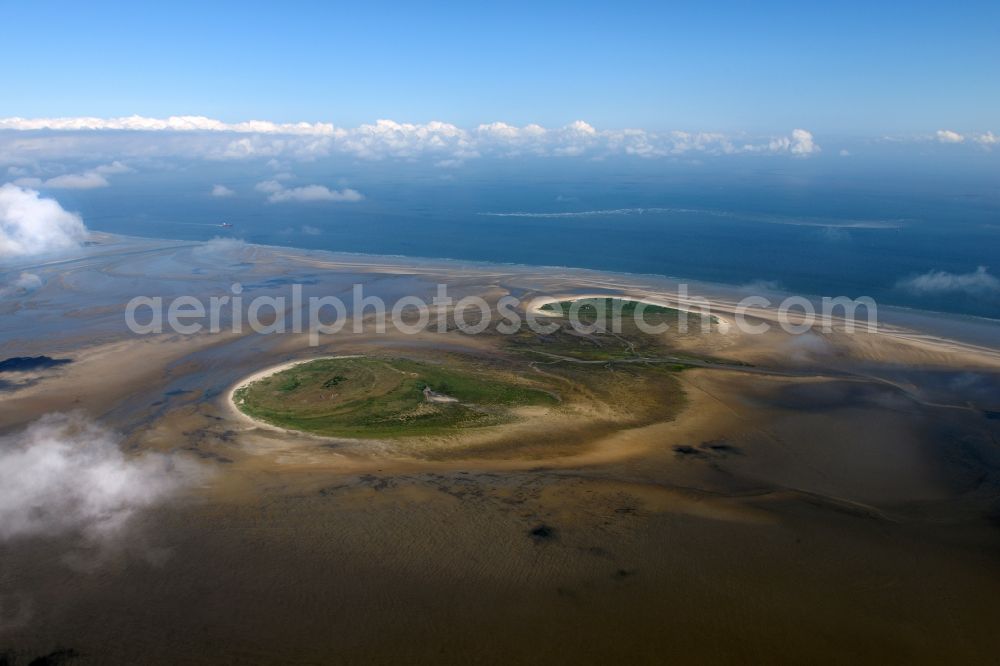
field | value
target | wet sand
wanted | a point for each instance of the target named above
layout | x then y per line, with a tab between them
843	509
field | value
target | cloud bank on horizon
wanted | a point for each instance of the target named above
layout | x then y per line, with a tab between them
445	143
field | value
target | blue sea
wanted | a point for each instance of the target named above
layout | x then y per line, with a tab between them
823	227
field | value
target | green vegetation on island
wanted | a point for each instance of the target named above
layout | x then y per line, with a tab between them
609	377
629	310
374	397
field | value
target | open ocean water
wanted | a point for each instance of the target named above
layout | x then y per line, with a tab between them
825	227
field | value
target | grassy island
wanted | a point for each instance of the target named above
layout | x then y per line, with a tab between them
374	397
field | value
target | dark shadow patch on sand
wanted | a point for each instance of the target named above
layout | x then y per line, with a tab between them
543	533
31	363
687	451
722	448
716	448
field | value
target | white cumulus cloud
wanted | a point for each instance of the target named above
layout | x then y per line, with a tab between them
31	224
800	144
221	191
949	136
387	138
66	474
987	139
278	193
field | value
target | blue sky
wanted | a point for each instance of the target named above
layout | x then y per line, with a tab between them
846	68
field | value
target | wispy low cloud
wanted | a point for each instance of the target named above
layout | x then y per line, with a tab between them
221	191
73	181
798	221
278	193
65	474
87	180
232	250
987	139
445	144
25	283
31	224
941	283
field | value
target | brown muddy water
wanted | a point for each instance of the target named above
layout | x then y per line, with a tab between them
844	509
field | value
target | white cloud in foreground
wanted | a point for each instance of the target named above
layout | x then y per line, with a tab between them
445	143
30	224
65	474
278	193
221	191
978	282
949	136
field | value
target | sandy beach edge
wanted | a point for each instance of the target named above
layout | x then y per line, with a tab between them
263	374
